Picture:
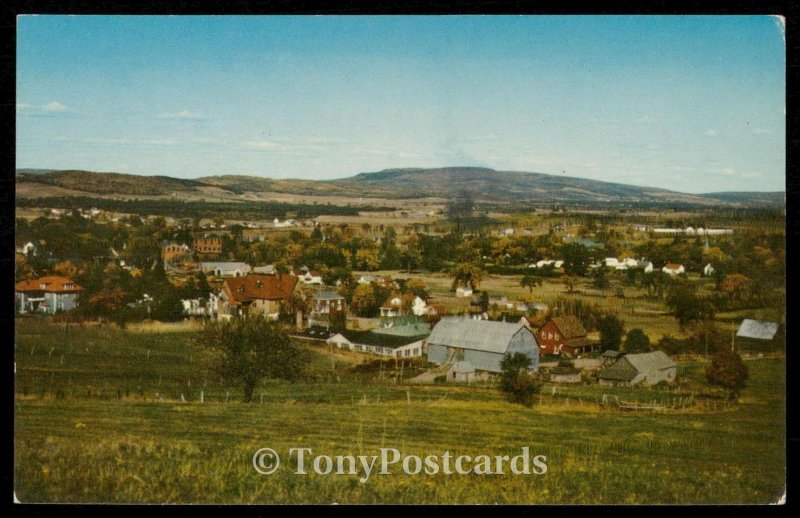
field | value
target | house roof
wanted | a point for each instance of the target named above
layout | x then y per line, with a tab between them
631	365
480	335
757	329
581	341
338	338
225	266
611	354
649	361
259	287
52	284
570	326
327	295
672	266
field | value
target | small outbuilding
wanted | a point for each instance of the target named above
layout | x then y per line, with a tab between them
643	368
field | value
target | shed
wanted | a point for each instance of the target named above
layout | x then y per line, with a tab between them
759	335
643	368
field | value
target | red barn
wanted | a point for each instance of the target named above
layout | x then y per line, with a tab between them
564	335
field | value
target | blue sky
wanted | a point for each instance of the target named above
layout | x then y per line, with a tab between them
690	103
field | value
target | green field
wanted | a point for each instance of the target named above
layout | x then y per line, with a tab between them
99	418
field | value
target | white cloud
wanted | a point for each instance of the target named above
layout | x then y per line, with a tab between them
54	106
711	133
183	114
51	107
726	171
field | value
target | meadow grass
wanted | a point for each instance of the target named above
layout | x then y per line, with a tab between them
78	448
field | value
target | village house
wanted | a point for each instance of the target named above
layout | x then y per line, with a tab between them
311	278
265	295
327	307
708	270
481	343
47	294
225	269
267	269
26	249
174	252
673	269
643	368
207	248
392	307
564	335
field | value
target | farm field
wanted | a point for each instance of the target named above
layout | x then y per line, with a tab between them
99	418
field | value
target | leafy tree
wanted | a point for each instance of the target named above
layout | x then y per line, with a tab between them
735	285
729	371
530	282
418	288
66	268
636	341
248	350
167	305
459	208
600	279
686	305
576	259
466	274
611	331
484	299
570	281
365	301
515	381
367	259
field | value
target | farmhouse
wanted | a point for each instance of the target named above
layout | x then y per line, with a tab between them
47	294
256	295
644	368
564	335
708	269
311	277
673	269
327	307
225	269
480	342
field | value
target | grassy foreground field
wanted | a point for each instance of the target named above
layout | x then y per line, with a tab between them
77	447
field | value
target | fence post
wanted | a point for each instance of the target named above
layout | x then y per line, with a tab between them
202	397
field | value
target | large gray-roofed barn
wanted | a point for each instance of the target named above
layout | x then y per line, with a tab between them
480	342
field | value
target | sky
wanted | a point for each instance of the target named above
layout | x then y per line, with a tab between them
688	103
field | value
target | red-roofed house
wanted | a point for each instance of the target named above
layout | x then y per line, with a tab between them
673	269
47	294
264	295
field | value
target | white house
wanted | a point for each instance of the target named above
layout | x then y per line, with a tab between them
646	266
419	307
708	269
311	278
463	291
225	269
340	342
673	269
27	248
392	307
611	262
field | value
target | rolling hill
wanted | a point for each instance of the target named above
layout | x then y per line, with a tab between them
486	185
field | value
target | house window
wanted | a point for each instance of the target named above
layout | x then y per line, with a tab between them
557	337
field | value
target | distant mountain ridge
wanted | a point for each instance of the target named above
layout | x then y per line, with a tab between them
484	184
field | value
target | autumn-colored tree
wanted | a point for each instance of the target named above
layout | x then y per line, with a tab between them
368	259
365	300
66	268
729	371
735	285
